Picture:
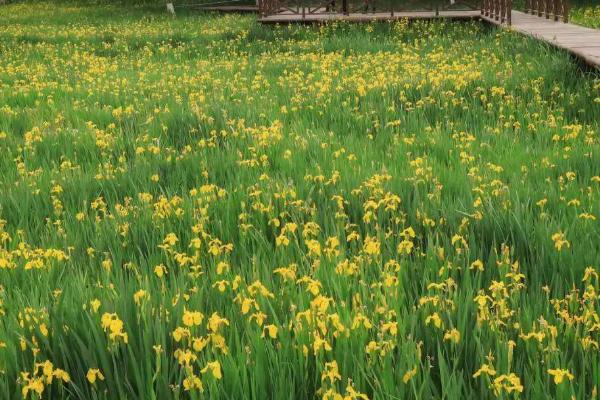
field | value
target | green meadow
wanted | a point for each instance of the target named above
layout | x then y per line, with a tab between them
202	207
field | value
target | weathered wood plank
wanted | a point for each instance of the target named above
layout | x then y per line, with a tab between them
227	9
580	41
360	17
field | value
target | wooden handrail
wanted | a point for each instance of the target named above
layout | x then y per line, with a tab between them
312	7
555	9
267	7
499	10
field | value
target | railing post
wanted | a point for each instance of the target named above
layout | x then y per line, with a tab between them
558	9
497	10
500	10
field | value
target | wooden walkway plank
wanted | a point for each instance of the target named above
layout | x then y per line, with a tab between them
232	9
578	40
283	18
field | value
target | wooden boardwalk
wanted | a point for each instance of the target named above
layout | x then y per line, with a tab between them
289	17
578	40
230	9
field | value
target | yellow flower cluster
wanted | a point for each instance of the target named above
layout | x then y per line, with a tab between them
43	375
114	327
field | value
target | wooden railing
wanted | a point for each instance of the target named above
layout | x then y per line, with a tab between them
499	10
267	7
557	9
312	7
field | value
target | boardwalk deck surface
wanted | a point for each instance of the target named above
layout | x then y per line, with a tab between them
578	40
288	17
234	9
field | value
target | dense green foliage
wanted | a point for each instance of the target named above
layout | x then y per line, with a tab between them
586	15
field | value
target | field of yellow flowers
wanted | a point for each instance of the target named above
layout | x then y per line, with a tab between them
203	207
